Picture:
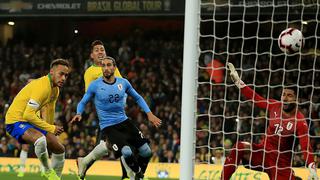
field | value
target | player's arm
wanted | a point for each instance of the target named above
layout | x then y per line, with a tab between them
247	91
82	104
37	97
143	105
303	134
117	73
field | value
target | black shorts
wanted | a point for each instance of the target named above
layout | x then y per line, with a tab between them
123	134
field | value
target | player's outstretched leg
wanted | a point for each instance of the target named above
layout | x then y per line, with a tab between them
233	160
85	163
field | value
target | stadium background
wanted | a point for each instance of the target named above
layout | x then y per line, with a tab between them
148	43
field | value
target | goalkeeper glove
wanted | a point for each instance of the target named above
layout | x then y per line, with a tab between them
235	77
312	172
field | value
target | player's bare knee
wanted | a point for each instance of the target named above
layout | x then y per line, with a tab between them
31	135
58	148
61	149
145	150
126	151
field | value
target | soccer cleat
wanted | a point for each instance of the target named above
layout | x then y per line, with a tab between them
126	179
20	174
42	174
139	176
82	169
130	173
80	178
51	175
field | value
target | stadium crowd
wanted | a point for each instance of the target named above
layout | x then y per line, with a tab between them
154	67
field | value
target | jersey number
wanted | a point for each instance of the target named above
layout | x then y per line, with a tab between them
141	135
114	98
115	147
278	129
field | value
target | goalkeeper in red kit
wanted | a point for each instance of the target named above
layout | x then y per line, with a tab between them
274	154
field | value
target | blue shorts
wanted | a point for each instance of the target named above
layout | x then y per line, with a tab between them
17	129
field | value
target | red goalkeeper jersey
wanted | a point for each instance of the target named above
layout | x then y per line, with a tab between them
282	130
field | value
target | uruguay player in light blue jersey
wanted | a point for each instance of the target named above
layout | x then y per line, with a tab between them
124	137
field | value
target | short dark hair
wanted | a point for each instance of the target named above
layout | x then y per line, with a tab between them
292	87
96	42
112	59
60	61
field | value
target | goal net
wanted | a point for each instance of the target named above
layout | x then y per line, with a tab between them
246	33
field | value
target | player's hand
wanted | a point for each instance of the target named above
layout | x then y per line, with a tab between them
154	119
312	172
76	118
235	76
58	130
233	73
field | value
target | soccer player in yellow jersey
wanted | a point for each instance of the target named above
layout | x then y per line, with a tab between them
98	53
23	123
94	71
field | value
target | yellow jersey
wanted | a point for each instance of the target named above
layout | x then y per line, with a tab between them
30	100
93	73
48	111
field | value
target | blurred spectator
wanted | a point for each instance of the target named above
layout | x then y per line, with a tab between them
218	157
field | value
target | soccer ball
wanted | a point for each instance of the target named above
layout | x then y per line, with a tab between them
291	40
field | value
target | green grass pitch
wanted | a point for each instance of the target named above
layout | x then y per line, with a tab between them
32	176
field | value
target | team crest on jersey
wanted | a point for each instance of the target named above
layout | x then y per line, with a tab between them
120	87
22	126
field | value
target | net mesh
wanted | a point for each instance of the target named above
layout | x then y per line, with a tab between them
246	34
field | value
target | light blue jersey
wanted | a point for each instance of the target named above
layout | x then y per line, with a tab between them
109	100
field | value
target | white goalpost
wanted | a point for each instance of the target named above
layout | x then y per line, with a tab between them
189	88
244	32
